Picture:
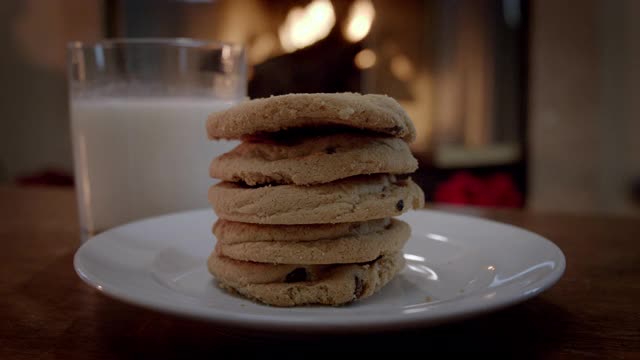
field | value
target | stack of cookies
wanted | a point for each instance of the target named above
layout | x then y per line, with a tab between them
306	201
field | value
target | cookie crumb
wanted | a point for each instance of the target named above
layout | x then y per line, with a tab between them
428	299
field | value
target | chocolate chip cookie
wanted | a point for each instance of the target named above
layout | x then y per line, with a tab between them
313	159
376	113
348	200
328	285
341	250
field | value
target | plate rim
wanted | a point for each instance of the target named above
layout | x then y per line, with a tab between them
274	322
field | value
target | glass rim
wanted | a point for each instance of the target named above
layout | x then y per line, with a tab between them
178	42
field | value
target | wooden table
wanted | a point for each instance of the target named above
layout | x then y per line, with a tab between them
47	312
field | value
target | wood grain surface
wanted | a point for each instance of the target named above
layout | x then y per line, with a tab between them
46	311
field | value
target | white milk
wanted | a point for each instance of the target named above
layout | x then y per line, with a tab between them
141	157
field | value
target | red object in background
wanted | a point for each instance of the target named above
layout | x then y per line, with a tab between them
464	188
47	178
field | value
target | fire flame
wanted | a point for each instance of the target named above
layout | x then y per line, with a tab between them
305	26
361	15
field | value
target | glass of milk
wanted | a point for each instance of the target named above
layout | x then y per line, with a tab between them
138	112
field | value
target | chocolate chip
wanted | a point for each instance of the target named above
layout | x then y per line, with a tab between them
330	150
400	205
359	288
297	275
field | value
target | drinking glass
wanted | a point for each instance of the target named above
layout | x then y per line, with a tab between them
138	112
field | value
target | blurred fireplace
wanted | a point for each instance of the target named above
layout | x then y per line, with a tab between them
457	66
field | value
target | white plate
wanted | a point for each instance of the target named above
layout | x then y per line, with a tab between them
457	266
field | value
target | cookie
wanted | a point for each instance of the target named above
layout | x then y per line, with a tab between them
342	250
233	232
243	272
339	285
313	160
354	199
377	113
